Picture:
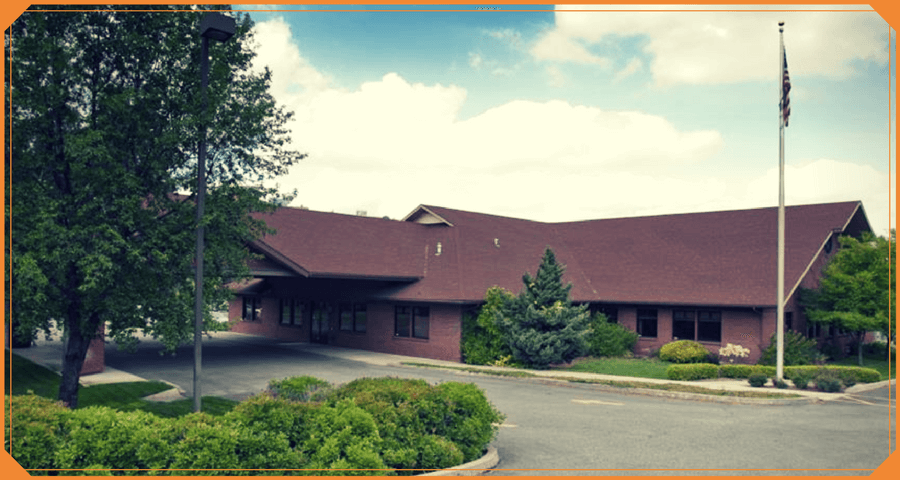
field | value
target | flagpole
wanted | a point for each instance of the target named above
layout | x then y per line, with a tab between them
779	325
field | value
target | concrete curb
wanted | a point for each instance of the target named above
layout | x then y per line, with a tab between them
865	387
473	468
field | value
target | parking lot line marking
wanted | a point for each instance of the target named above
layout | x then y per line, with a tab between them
595	402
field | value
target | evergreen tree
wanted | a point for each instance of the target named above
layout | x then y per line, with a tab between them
540	326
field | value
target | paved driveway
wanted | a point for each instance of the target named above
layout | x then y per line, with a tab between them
573	428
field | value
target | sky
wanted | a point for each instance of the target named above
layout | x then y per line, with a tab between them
561	113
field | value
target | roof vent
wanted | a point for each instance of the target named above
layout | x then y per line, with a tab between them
497	242
361	213
437	251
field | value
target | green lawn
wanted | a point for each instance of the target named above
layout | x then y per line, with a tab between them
627	367
29	376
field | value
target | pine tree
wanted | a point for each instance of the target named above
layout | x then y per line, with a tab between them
540	326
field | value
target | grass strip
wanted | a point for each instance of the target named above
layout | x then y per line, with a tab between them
672	387
28	376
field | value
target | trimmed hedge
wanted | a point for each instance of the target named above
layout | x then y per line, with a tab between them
369	425
692	371
683	351
699	371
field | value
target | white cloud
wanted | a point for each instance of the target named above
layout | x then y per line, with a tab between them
725	47
390	145
557	79
475	60
292	75
633	66
556	46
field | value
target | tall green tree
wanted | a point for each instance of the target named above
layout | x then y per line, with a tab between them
541	326
105	108
857	288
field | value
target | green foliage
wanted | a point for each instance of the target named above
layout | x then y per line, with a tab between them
683	351
828	382
800	379
482	343
36	430
758	379
857	287
732	370
540	326
610	339
107	112
300	389
780	384
798	350
409	412
857	374
365	427
692	371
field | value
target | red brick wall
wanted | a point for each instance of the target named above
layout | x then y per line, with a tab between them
444	333
268	323
94	361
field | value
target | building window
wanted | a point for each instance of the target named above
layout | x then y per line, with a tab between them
788	321
353	317
292	312
411	322
251	309
703	325
683	324
813	330
359	318
709	326
612	313
646	323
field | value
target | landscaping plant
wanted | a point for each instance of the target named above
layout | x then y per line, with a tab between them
607	339
758	379
482	342
683	351
798	350
541	326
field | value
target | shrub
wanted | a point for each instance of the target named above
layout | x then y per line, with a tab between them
683	351
798	350
609	339
780	384
113	439
300	389
482	343
859	374
735	371
758	379
407	411
276	414
343	436
35	430
828	382
832	351
877	350
692	371
801	379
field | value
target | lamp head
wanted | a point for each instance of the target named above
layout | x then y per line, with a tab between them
217	26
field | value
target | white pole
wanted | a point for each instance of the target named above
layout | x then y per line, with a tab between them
779	325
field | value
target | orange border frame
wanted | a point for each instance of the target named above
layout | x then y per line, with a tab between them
888	10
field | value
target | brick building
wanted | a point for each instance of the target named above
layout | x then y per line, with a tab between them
403	286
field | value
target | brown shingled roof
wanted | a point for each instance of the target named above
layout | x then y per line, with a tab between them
714	258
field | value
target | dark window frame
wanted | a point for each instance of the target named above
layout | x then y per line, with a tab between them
350	319
705	325
254	304
644	316
412	321
611	312
295	312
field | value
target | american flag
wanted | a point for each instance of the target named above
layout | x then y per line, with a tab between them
785	93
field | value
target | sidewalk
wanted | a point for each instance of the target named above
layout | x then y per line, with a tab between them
49	354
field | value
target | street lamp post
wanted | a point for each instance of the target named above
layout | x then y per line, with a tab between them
217	27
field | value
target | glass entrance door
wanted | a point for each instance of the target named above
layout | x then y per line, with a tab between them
319	325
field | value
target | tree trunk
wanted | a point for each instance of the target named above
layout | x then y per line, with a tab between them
76	347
